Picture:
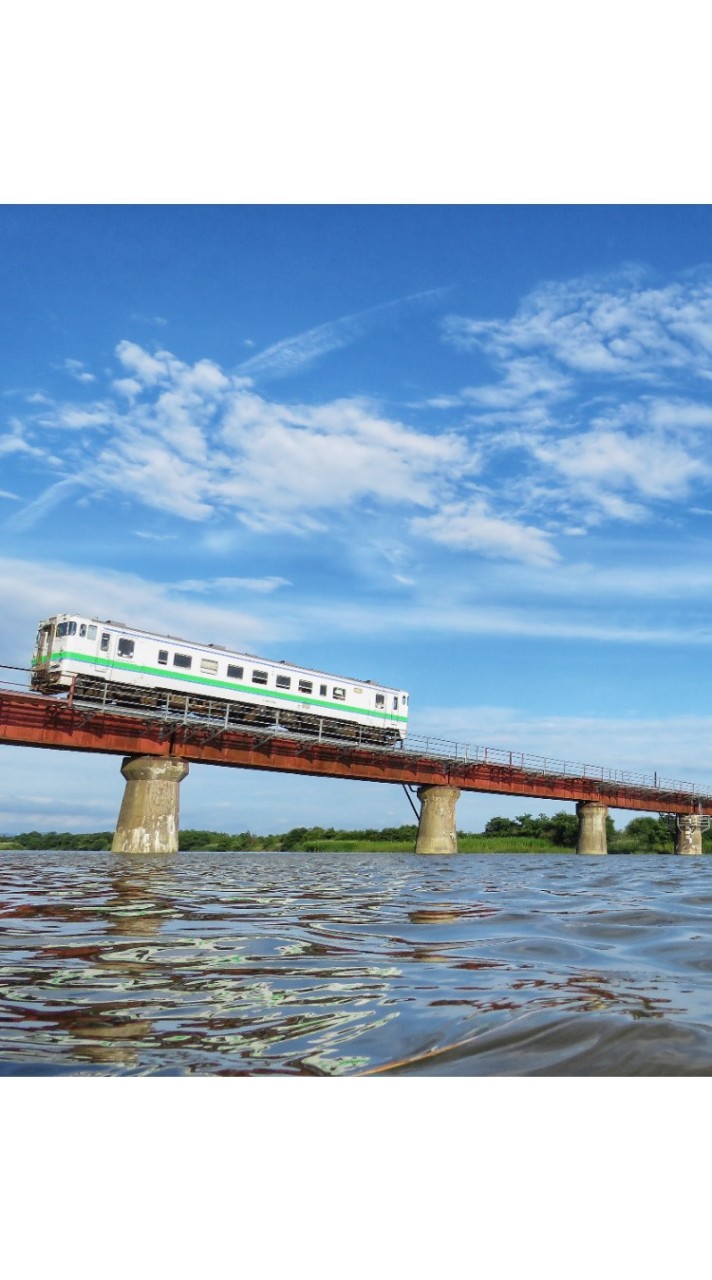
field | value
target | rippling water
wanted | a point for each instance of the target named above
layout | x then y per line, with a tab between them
341	964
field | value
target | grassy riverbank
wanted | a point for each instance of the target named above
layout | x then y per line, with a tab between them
465	844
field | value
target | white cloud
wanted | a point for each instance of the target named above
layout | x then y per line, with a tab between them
679	414
129	387
195	442
470	526
524	380
614	326
201	444
145	368
331	456
14	442
648	464
77	417
597	458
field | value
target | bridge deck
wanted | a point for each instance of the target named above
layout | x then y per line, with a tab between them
34	720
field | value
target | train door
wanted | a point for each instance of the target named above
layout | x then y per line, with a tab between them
392	707
105	654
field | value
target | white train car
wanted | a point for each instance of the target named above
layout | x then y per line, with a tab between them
113	663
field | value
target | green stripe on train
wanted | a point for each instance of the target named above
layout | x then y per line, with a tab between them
219	684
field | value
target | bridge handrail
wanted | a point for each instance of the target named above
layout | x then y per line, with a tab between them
529	763
424	746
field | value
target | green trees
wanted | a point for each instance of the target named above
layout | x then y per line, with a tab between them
644	835
560	828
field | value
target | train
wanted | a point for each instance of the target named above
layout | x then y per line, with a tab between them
114	664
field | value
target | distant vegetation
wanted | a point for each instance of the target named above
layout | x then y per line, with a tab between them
525	834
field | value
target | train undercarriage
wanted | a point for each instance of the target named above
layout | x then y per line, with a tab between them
229	714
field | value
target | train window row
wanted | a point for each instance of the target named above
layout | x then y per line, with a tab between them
209	666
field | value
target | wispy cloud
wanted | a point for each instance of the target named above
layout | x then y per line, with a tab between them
208	586
472	527
155	537
42	506
34	589
139	319
77	370
567	360
642	744
291	354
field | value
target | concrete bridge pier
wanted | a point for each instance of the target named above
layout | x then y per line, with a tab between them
688	834
437	829
148	820
591	827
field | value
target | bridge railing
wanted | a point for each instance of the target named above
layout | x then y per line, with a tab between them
547	766
214	714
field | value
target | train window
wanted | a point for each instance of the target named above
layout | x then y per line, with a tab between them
259	677
405	699
61	629
104	646
322	691
380	700
82	631
305	686
163	657
339	693
395	704
126	648
283	682
182	660
235	673
91	632
209	666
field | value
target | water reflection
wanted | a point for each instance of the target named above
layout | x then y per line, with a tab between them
343	964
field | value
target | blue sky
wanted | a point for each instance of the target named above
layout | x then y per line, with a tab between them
463	450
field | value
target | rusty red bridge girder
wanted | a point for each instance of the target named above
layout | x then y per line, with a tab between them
35	720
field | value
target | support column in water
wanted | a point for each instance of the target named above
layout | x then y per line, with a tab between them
148	820
437	830
591	827
688	834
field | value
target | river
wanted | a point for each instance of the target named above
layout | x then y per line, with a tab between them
348	964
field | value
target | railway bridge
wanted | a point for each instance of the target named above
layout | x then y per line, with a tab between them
158	746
